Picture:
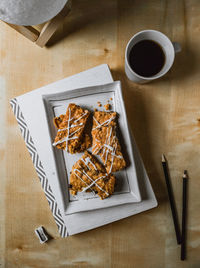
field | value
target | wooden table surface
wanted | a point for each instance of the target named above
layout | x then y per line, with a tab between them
163	116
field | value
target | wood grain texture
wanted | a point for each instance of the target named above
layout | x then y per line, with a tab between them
163	116
28	31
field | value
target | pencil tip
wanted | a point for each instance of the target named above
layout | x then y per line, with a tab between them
163	158
185	175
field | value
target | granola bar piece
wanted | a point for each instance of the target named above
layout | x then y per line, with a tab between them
88	175
110	153
106	143
101	119
105	119
71	130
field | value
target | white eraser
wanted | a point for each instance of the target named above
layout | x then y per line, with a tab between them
41	234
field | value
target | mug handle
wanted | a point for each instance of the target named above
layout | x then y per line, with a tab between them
177	47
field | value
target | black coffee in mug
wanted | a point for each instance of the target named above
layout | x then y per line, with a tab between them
146	58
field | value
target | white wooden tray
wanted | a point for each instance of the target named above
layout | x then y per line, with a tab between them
126	190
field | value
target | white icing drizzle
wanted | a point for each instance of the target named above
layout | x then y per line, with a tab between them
96	121
76	125
115	147
104	149
79	165
107	122
68	137
97	149
109	146
118	156
93	165
66	128
68	125
94	146
75	131
82	179
80	117
86	161
93	182
63	140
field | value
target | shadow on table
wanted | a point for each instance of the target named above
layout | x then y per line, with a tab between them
141	127
85	13
141	174
185	66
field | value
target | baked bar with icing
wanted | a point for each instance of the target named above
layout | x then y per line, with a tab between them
88	175
71	130
105	142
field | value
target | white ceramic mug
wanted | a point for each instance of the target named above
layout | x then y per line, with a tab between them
168	47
